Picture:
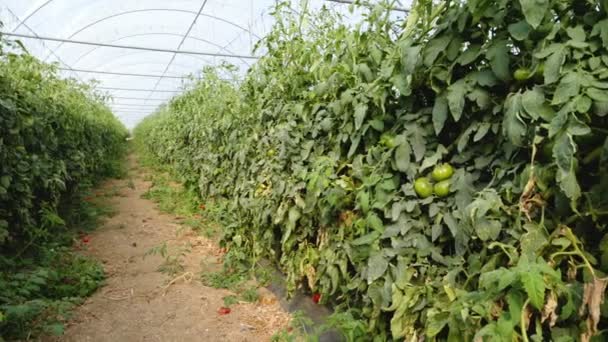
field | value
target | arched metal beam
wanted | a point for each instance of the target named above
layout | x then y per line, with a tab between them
97	66
22	22
156	63
222	48
154	10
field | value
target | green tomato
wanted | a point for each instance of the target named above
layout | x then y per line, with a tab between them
442	171
442	188
423	187
521	74
387	140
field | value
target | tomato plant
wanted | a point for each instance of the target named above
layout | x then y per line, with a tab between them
357	113
57	139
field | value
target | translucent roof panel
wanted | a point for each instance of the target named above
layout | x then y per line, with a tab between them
219	30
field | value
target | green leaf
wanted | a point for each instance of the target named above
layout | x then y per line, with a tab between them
464	138
535	288
569	185
554	64
533	240
487	229
482	130
366	239
582	104
498	54
363	200
534	11
440	113
576	127
434	48
577	33
5	181
376	266
402	156
601	28
563	152
436	323
513	126
559	121
418	143
410	55
354	145
375	222
360	112
469	55
597	94
456	98
520	30
533	102
568	87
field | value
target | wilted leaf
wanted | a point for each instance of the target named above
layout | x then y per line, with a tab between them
593	298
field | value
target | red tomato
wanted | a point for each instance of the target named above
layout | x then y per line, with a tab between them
316	298
223	311
85	239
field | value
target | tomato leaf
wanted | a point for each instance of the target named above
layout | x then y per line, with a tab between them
440	113
512	125
403	156
456	98
376	266
534	11
498	54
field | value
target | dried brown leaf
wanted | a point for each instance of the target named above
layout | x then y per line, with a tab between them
549	310
593	297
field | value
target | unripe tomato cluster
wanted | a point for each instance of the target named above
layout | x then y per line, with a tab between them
441	175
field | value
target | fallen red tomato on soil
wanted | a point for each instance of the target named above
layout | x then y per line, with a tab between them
316	298
223	311
85	239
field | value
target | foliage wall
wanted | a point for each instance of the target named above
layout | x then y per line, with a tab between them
57	138
315	155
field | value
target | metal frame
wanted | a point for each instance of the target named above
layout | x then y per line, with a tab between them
131	47
179	46
154	10
122	73
139	89
222	48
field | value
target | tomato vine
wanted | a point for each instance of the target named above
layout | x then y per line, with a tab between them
313	159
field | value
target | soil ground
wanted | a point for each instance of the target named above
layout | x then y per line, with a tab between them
139	303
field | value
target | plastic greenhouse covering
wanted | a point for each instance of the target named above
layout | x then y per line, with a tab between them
88	40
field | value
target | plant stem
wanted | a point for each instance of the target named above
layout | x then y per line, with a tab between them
524	330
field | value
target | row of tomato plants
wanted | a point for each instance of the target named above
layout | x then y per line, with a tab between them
57	139
323	159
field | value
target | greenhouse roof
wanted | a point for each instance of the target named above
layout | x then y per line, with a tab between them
143	52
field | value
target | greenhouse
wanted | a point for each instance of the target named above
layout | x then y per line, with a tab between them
321	170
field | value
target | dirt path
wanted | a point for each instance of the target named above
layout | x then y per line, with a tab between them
139	303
